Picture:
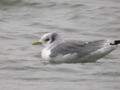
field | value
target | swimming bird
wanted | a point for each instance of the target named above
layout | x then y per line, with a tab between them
57	50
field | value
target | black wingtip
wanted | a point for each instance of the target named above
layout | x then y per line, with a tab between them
116	42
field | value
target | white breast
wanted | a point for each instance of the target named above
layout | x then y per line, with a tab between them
45	54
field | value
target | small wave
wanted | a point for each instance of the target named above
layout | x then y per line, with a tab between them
77	5
5	37
9	2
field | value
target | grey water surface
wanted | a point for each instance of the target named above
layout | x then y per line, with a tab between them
24	21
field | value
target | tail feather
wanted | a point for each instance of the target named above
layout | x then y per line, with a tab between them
116	42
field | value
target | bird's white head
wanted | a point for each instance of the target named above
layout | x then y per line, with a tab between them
48	39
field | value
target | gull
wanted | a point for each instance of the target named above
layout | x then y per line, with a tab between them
57	50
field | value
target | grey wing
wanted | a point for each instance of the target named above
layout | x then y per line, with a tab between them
81	48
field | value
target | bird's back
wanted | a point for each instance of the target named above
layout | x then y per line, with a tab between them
81	48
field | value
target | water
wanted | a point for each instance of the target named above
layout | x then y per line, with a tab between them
24	21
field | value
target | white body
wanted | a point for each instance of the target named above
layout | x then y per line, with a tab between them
107	48
45	54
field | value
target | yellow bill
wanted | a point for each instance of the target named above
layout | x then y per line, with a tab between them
36	43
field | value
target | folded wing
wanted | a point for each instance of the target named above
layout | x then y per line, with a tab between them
80	49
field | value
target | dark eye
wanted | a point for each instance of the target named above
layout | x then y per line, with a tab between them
47	39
